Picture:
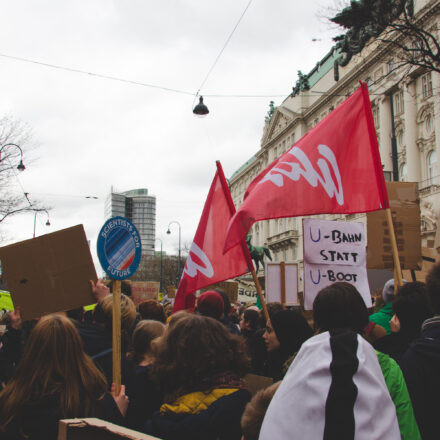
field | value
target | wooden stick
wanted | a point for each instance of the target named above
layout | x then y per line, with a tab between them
397	269
117	334
283	282
260	294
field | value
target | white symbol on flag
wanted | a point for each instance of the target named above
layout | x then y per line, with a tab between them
191	267
305	168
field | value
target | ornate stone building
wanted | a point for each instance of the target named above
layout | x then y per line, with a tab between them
406	110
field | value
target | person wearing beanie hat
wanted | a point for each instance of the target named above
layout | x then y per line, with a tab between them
385	314
210	303
285	333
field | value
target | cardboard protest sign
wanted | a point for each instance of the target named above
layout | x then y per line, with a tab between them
254	383
96	429
247	291
143	290
50	273
429	258
333	251
405	212
274	283
171	292
229	287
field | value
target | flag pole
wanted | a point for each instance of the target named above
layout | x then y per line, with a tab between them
243	244
259	292
116	333
381	181
397	268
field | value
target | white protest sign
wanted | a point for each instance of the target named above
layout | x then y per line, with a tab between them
334	251
274	282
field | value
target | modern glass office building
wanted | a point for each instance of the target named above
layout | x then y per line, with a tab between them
140	208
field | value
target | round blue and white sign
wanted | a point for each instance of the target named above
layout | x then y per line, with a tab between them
119	248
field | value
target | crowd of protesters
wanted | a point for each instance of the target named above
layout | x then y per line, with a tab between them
342	373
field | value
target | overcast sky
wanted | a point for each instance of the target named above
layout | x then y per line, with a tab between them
92	133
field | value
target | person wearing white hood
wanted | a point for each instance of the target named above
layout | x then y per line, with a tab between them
334	389
314	378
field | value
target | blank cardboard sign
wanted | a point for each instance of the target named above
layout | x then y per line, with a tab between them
50	273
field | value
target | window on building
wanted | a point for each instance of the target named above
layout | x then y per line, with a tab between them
427	85
376	116
403	173
369	81
315	121
400	140
432	162
398	102
428	124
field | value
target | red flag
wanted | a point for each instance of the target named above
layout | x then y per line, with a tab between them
334	168
206	264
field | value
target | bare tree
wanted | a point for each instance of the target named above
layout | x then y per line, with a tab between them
149	269
412	37
15	141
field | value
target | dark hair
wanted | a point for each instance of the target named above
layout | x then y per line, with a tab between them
272	308
340	305
412	307
226	302
125	288
194	352
151	309
291	329
253	318
433	287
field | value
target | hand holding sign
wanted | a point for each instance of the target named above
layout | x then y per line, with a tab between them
99	290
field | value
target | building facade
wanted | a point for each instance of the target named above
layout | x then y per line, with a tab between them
406	109
138	207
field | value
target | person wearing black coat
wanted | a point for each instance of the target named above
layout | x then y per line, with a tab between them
421	365
411	307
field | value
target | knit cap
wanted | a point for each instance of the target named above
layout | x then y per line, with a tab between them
211	304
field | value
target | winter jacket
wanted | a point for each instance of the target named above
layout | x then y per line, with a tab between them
383	316
399	394
394	344
97	342
39	420
256	349
212	415
146	398
421	369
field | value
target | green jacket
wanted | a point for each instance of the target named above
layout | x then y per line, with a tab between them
399	394
383	317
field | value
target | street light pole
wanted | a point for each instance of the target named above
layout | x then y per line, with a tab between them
178	261
35	218
161	256
20	166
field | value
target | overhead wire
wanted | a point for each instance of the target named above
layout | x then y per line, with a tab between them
223	48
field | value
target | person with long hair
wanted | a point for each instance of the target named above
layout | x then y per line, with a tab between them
200	365
285	333
55	379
